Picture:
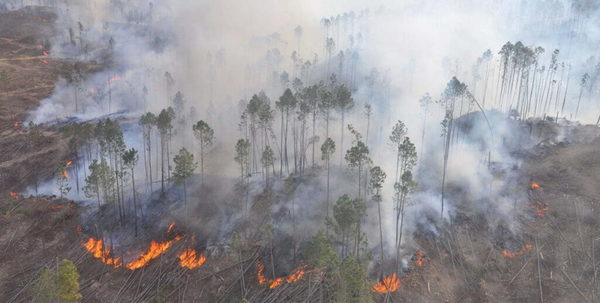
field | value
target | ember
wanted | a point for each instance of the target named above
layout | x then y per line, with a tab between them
419	256
535	185
540	208
388	284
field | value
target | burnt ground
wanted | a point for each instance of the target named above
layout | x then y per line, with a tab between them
464	263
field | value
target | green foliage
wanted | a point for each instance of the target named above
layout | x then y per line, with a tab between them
352	285
62	287
100	181
347	213
242	155
184	165
327	149
68	282
45	287
204	133
268	157
408	154
357	155
319	252
377	178
287	101
398	133
164	121
130	158
343	99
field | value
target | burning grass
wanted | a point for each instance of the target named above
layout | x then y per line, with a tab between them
510	255
190	259
293	277
388	284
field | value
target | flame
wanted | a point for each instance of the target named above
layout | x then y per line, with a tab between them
113	79
275	282
14	195
508	254
294	276
65	173
44	61
419	262
540	208
170	228
190	259
45	53
97	249
535	185
57	206
17	125
154	251
260	273
390	283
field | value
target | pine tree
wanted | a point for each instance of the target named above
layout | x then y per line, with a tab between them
327	150
206	136
184	168
68	282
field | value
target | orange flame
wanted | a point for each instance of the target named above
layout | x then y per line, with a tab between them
540	208
65	173
190	259
535	185
275	282
45	53
260	273
14	195
508	254
390	283
154	251
97	249
294	276
419	262
17	125
170	228
44	61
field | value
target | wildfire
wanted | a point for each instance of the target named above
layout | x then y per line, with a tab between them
45	53
388	284
113	79
44	61
294	276
535	185
419	259
65	173
97	249
17	125
190	259
508	254
154	251
170	228
14	195
540	208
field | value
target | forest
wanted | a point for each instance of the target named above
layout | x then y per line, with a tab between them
299	152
